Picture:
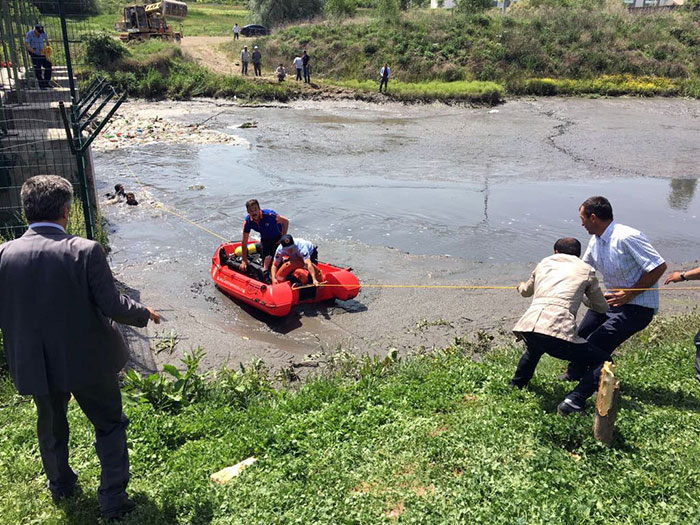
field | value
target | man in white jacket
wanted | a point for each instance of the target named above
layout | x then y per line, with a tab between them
560	283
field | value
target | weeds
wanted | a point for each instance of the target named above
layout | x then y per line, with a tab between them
169	393
166	342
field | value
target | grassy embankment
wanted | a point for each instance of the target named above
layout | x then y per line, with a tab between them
438	55
436	438
530	51
159	69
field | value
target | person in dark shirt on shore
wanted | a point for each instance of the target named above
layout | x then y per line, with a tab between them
269	225
307	70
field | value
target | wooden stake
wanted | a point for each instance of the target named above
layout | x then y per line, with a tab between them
606	405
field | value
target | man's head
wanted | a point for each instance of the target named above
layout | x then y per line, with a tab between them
253	209
131	199
46	198
38	29
568	246
596	214
119	189
245	48
255	47
286	240
304	53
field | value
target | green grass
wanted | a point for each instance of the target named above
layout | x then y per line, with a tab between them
201	20
604	51
434	438
473	91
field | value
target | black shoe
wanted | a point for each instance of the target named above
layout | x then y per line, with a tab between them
120	512
566	407
62	495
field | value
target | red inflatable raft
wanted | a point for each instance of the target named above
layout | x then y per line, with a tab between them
278	299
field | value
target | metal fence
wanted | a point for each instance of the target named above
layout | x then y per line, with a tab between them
46	122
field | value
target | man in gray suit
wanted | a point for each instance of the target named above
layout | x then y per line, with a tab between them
58	304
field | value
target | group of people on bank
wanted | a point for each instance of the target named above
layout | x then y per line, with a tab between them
301	63
631	269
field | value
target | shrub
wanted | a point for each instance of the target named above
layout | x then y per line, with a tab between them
274	12
340	8
103	52
474	6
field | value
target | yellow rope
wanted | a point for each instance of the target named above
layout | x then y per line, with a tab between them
437	286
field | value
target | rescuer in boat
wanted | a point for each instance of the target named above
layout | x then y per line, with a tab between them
271	228
299	255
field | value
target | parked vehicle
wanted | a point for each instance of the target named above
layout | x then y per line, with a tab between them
254	29
145	22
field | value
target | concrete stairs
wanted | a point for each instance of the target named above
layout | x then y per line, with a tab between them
34	140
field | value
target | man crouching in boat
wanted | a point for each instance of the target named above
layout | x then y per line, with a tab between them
300	255
269	225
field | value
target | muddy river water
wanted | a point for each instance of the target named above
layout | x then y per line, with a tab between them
422	195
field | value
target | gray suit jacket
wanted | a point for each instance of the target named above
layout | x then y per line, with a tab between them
57	303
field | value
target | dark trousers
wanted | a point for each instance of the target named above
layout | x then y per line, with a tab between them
235	36
587	356
39	62
697	355
244	68
257	68
307	74
383	82
298	74
608	331
102	404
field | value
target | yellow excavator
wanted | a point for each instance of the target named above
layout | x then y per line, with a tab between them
145	22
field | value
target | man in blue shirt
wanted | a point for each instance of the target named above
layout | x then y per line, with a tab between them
269	225
630	266
300	254
35	42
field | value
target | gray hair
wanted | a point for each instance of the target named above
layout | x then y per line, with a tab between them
45	196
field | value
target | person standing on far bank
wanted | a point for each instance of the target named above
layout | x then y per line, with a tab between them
630	265
305	63
245	56
384	75
257	57
58	307
236	30
298	63
689	275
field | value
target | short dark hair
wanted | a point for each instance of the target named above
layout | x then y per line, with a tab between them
45	196
569	246
600	206
252	202
286	240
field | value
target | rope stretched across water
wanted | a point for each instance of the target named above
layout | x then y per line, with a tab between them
415	286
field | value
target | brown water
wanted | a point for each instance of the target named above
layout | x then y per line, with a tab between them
455	194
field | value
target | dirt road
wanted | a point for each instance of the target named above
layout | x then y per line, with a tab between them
205	50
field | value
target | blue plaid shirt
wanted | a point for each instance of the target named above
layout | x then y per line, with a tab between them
622	254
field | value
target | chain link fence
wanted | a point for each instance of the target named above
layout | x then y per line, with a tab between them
46	123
